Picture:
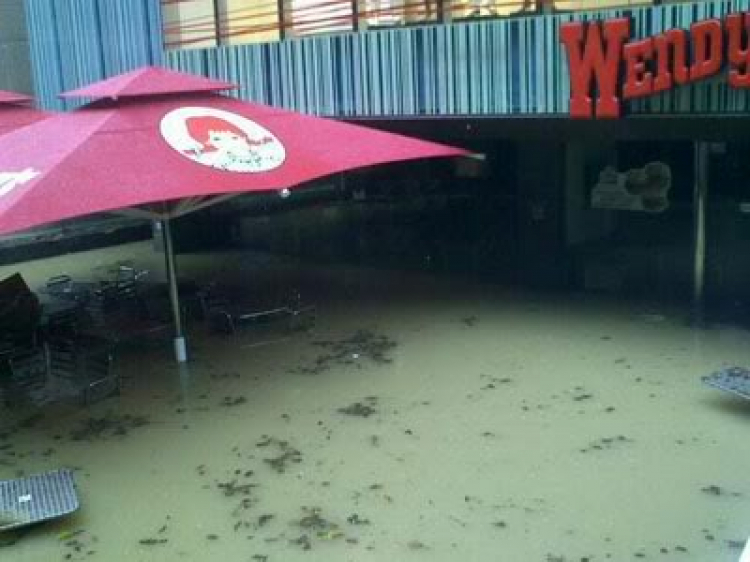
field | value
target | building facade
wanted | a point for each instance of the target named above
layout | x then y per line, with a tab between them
15	67
652	202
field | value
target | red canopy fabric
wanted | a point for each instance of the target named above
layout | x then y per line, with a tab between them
148	81
14	117
113	155
13	97
15	111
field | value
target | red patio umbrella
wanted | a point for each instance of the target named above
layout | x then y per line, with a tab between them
16	112
160	144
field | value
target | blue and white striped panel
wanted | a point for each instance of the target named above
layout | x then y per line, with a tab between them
45	52
513	66
76	42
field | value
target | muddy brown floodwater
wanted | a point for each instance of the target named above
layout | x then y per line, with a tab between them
420	419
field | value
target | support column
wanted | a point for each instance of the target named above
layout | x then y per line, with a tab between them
700	194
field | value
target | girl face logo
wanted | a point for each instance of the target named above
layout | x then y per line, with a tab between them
222	140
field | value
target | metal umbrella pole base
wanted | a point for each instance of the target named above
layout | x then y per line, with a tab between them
180	349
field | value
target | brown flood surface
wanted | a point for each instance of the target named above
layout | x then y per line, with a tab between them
419	420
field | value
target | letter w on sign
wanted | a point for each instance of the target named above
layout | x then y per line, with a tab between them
594	59
10	180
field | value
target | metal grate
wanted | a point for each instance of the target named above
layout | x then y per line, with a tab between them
734	379
38	498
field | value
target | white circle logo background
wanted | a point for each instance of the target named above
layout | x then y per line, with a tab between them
259	151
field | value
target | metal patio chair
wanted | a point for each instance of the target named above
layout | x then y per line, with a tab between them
24	377
227	317
81	368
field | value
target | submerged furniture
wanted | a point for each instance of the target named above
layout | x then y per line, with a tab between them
64	287
24	376
123	308
735	380
77	368
229	317
20	310
38	498
81	368
45	352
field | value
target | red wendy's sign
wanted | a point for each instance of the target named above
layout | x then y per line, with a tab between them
605	65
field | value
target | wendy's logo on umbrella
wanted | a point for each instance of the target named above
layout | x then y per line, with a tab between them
11	180
222	140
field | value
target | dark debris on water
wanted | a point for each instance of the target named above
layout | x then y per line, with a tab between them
108	426
363	409
287	454
362	345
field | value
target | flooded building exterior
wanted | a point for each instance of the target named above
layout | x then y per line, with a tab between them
476	359
559	202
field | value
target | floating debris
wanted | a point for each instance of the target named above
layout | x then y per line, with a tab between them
233	488
606	443
362	409
302	541
288	454
470	321
313	520
156	541
230	401
363	345
79	545
153	542
494	382
92	429
714	490
416	545
67	535
355	519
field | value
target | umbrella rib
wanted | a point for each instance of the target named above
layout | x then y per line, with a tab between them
181	208
196	204
139	213
184	205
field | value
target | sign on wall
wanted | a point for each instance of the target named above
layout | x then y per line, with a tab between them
640	189
606	68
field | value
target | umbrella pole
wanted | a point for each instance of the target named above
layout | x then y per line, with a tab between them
180	347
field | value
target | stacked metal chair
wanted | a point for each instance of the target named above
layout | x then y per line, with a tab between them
25	377
22	358
118	299
81	368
